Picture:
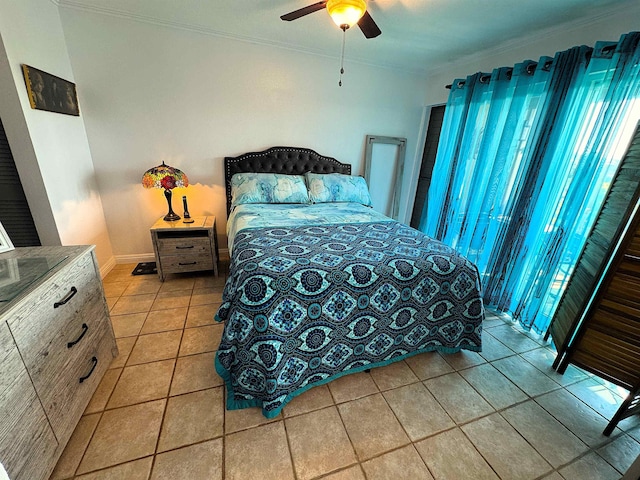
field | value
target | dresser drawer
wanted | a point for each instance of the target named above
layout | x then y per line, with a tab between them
59	330
66	395
26	439
184	246
43	326
187	263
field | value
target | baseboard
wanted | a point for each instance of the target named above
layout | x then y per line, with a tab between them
143	257
107	267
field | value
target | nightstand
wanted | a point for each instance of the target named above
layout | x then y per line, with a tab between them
185	247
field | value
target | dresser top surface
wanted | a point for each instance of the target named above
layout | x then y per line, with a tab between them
24	268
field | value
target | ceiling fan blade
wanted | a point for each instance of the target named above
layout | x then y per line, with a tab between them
303	11
368	26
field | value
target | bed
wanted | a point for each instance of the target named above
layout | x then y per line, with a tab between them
320	290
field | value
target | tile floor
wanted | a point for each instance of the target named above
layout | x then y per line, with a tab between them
502	414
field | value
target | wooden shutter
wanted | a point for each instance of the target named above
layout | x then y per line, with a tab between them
428	160
14	210
612	220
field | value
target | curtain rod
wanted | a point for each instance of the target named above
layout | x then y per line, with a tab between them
532	66
530	69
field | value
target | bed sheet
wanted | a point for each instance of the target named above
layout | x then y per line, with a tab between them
297	215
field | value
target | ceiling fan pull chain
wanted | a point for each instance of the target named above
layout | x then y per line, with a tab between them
344	36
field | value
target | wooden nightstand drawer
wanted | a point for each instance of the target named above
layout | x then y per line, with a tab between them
187	263
184	246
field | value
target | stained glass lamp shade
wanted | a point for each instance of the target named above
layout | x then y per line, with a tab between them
164	176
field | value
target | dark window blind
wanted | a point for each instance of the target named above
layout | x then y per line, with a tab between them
428	159
14	211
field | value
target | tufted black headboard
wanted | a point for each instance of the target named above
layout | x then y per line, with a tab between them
287	160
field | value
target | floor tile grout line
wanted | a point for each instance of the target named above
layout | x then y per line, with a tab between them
101	413
553	469
102	469
499	411
475	447
610	438
529	397
346	430
411	442
104	410
286	436
75	470
480	393
166	404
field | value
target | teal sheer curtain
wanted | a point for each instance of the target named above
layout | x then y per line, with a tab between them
525	158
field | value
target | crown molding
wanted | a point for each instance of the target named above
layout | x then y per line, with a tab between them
534	38
227	35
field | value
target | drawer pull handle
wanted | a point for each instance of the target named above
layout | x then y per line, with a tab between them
66	298
93	367
186	263
185	248
85	327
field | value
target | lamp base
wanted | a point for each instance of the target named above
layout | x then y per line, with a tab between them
171	216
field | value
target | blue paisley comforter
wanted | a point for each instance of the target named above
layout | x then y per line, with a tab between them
304	305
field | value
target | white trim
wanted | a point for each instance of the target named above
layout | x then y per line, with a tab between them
418	69
530	40
417	164
107	267
232	36
135	258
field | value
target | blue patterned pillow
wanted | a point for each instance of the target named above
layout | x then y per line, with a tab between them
268	188
335	187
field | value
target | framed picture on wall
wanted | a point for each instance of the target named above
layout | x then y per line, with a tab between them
5	241
50	93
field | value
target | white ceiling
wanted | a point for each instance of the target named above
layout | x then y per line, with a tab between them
417	35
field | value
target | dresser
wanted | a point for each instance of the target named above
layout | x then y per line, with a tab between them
185	247
56	342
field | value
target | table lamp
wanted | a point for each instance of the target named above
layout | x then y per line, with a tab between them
164	176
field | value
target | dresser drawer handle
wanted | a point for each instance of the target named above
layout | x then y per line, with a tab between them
185	248
85	327
93	367
66	298
186	263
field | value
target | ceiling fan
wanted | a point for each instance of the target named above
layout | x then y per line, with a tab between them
345	14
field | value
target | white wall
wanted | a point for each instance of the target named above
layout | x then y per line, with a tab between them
150	94
609	26
51	150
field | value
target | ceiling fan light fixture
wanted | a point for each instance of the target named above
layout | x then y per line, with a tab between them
346	12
